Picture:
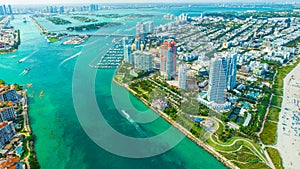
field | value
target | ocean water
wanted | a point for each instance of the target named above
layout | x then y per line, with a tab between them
60	140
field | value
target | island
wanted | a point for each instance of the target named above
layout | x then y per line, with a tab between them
9	37
58	21
93	26
84	19
17	139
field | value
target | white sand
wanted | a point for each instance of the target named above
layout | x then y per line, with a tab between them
288	141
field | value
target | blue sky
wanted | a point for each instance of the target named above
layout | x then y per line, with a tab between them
126	1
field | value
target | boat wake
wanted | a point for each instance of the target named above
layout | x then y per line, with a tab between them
23	59
135	125
23	73
86	44
4	66
13	56
69	58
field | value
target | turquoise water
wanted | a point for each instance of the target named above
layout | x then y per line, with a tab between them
60	140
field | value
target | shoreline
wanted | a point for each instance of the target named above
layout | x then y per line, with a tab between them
286	139
29	139
184	131
8	51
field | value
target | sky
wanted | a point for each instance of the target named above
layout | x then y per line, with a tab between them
126	1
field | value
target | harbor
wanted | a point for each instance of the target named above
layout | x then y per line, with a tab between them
111	59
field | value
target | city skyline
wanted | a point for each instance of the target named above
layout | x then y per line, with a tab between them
20	2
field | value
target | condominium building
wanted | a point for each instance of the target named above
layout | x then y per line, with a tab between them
231	71
217	80
7	114
127	51
7	132
9	95
144	28
182	76
168	59
10	10
142	60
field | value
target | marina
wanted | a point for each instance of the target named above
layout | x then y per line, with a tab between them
111	59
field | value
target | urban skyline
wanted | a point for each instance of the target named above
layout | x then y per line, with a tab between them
134	1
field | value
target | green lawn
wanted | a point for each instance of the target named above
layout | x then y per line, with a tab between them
281	74
276	101
269	134
273	113
53	39
275	156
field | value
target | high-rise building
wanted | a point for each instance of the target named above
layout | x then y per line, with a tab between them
127	51
182	76
4	10
148	27
51	9
10	10
139	29
142	29
1	10
231	71
61	9
55	9
217	80
7	132
137	42
168	59
142	60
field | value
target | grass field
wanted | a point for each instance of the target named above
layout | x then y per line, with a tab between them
269	134
273	113
276	101
275	156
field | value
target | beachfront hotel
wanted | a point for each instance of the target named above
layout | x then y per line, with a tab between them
168	59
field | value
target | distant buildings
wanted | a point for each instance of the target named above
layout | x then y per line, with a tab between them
217	80
10	10
1	10
94	7
142	60
168	59
142	29
6	10
182	76
61	9
7	132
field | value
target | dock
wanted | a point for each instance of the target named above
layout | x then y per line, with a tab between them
111	59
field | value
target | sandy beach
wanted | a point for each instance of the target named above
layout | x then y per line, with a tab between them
288	131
